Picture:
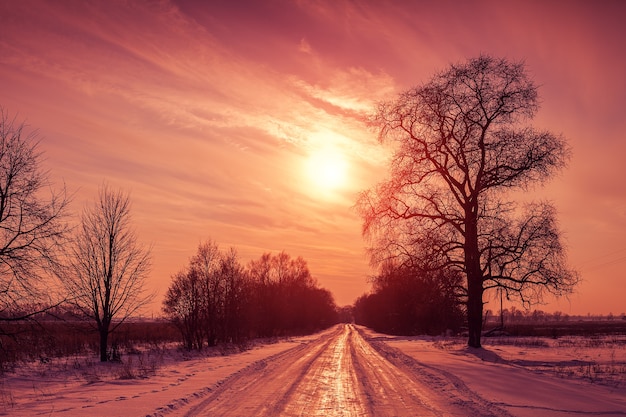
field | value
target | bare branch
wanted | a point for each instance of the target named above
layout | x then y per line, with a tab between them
462	141
109	267
33	221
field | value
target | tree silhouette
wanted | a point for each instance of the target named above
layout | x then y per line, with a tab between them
408	301
108	266
33	227
285	295
207	300
463	144
183	306
215	300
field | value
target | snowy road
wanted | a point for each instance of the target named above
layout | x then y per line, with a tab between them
341	374
342	371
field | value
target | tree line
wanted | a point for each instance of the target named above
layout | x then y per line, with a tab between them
215	299
96	269
410	301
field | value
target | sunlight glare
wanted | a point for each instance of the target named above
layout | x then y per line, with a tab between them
327	168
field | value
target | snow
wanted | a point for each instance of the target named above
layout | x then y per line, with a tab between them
82	386
525	377
530	377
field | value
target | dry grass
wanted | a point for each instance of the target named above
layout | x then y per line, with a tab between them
598	359
44	342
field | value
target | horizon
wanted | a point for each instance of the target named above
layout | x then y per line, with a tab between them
246	125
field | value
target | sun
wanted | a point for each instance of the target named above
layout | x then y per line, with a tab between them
327	168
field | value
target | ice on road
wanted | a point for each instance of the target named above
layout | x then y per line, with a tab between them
339	374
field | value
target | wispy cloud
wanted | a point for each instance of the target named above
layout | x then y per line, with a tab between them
207	112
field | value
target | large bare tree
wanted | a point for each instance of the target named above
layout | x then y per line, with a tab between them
33	223
462	145
108	267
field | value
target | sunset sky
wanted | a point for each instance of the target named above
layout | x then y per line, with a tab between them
243	121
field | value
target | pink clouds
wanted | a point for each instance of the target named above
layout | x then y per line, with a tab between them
207	112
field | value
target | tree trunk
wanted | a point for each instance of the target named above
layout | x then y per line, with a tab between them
474	310
474	280
104	340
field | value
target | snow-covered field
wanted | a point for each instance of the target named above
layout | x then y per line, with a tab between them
520	376
152	383
532	376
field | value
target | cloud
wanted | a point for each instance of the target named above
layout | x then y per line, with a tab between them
207	111
304	46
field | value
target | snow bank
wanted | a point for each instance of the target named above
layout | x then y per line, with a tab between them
541	378
79	387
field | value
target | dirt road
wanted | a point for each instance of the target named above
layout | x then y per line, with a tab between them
342	374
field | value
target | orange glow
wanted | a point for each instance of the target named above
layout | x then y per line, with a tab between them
327	169
247	125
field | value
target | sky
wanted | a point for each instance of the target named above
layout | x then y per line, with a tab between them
244	122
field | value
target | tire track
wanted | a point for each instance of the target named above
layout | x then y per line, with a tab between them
330	387
343	373
260	389
441	383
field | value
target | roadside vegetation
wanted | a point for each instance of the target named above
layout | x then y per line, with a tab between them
49	337
215	299
77	288
463	144
213	302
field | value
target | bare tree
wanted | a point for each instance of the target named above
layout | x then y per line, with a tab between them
33	226
206	300
463	144
206	264
109	267
184	306
284	291
234	320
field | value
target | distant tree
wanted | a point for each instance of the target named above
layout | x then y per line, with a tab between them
33	223
234	323
215	300
345	314
108	266
207	300
463	144
206	265
183	306
409	301
287	299
264	298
